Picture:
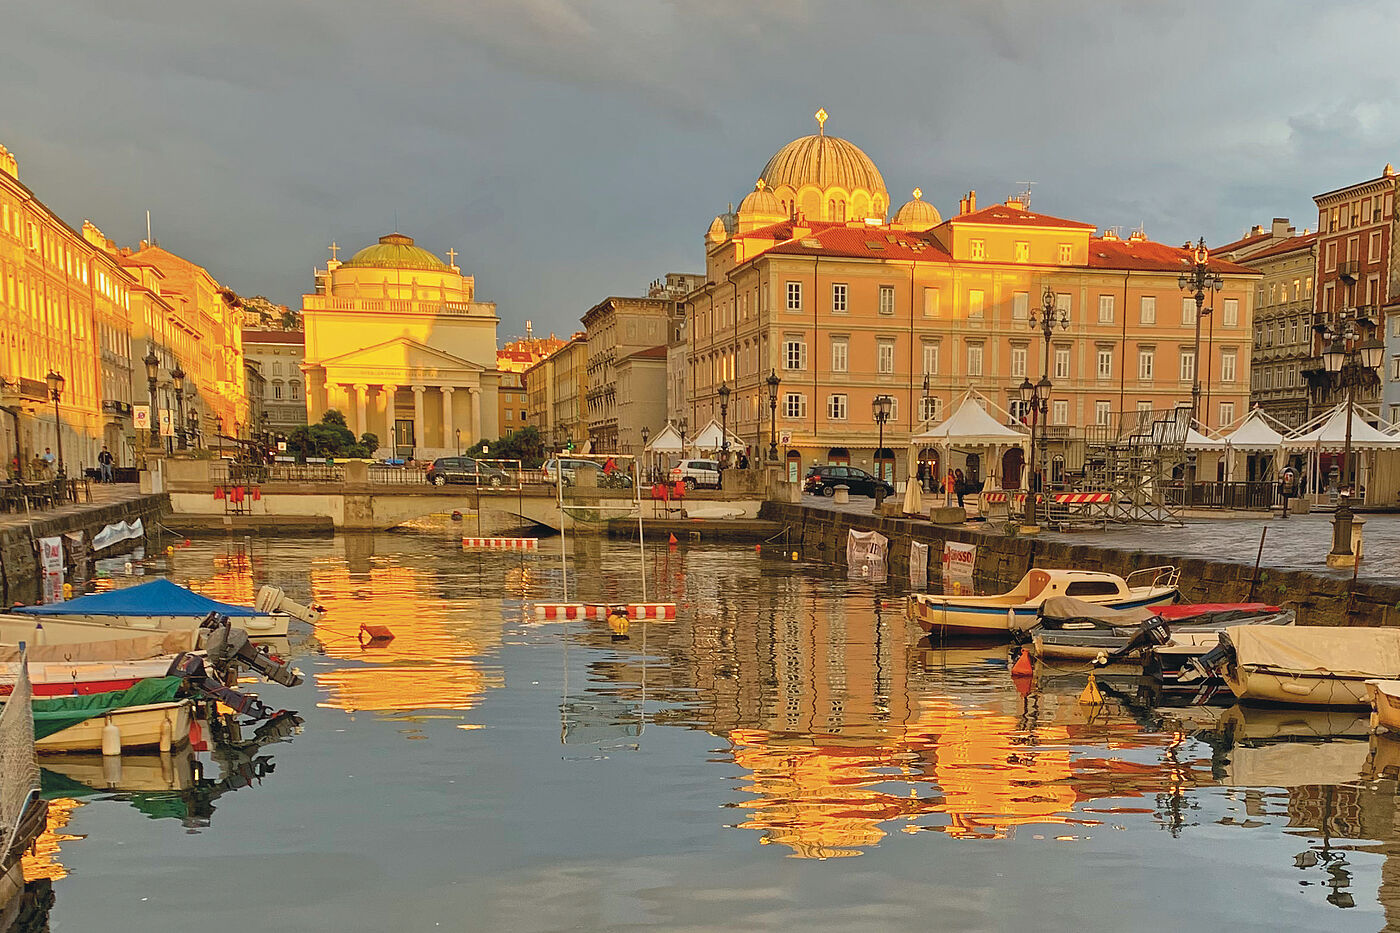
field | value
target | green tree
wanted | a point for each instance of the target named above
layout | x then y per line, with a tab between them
330	438
525	445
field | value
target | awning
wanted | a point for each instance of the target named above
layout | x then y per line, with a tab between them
971	426
157	598
1330	432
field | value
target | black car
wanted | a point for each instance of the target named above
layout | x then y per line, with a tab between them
823	480
466	470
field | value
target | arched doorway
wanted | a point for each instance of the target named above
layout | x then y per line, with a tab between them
973	471
794	467
838	456
1012	463
884	464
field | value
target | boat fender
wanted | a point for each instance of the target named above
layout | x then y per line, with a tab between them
112	770
1296	689
111	739
167	734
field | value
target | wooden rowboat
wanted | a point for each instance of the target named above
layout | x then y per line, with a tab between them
1384	696
148	726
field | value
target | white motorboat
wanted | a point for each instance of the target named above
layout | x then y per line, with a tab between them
164	606
1306	665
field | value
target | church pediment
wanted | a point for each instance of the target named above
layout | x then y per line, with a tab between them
402	360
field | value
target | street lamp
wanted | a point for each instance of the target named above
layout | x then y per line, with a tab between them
724	430
457	433
1352	363
1050	317
646	437
177	377
881	407
772	381
56	382
1036	398
192	424
1197	282
152	373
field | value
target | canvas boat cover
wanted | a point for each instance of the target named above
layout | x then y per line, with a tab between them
1349	652
1067	608
54	714
139	647
157	598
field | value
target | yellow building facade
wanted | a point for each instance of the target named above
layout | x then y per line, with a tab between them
397	341
842	312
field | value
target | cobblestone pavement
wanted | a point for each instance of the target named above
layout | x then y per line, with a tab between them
102	494
1300	542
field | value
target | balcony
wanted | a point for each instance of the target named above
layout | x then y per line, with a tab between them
31	390
111	406
1348	270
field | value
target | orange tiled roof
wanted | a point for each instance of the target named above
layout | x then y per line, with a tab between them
863	242
650	353
1016	216
1242	241
274	336
1149	256
1286	246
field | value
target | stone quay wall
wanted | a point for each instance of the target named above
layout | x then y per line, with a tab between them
1002	559
19	538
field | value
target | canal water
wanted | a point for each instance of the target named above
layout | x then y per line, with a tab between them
786	755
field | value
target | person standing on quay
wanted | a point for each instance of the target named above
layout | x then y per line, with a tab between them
104	460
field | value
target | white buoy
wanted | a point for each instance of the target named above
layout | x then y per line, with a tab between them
111	739
167	734
39	637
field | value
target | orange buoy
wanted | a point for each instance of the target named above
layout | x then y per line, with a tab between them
758	547
1022	667
672	542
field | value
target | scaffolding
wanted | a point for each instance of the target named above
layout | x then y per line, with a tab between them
1139	457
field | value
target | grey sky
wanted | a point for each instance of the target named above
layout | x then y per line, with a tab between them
572	150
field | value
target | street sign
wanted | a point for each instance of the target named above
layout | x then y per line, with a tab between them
167	423
784	437
282	446
141	416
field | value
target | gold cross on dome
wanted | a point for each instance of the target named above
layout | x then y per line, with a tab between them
334	249
918	193
821	120
452	257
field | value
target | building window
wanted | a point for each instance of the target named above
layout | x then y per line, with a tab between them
1059	411
975	299
1018	361
794	296
1227	413
1102	413
794	354
1292	376
1105	363
277	391
1064	304
887	299
1062	362
1019	411
1188	310
884	356
974	359
1146	359
1227	365
1020	306
930	408
1023	251
1395	369
840	354
930	359
930	302
977	249
838	297
794	405
1188	365
836	407
1066	252
1105	309
1230	313
1147	310
1374	250
508	414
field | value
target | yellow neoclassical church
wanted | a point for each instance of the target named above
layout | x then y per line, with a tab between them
397	342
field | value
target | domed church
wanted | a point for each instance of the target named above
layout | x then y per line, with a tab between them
397	341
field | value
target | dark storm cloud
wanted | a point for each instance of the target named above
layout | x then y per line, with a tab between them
571	150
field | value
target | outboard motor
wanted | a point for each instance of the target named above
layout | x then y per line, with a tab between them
1206	664
271	599
1150	634
227	645
191	668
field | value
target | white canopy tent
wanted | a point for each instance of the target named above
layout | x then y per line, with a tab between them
710	439
667	441
1377	468
971	426
1254	435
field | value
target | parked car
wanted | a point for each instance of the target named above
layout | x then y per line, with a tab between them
570	468
446	470
823	480
696	473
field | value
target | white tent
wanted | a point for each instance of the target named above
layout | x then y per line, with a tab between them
1195	440
710	439
667	440
1377	468
1253	434
971	426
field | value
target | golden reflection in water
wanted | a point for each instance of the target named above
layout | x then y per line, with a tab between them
432	661
43	861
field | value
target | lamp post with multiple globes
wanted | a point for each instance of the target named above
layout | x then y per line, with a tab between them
724	391
56	382
1351	362
152	374
1038	397
1198	280
882	406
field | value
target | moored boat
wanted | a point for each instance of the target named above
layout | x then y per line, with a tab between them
1384	697
145	715
1069	628
1017	609
1305	665
80	668
160	606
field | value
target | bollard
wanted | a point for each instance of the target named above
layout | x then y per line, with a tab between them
842	494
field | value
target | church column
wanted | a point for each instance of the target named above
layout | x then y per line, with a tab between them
448	439
478	433
361	397
389	417
418	419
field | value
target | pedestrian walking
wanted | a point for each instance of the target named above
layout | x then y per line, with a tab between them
959	486
48	459
104	462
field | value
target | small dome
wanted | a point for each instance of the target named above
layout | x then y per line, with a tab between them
762	200
918	214
718	231
396	251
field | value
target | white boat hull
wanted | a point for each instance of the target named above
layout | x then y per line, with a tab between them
959	616
257	627
1295	688
140	727
1384	697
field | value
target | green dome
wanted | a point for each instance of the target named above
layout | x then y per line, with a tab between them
396	251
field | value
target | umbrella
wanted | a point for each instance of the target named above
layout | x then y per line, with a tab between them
913	493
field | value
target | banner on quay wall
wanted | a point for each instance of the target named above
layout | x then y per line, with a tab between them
167	423
118	532
918	565
865	555
51	568
959	561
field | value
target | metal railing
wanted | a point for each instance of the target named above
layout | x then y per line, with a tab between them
384	474
1260	496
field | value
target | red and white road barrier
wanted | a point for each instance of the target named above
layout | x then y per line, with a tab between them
557	612
502	544
1077	498
991	497
652	612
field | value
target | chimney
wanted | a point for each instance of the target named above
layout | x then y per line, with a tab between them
1280	228
1015	203
972	202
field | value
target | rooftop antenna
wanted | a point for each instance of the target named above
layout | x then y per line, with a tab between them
1025	196
148	227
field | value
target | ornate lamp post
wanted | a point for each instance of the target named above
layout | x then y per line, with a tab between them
646	438
683	425
881	407
152	373
1046	321
56	382
1197	282
192	425
772	382
177	377
1352	363
724	391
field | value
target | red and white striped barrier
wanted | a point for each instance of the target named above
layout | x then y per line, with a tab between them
557	612
1077	498
502	544
652	612
991	497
